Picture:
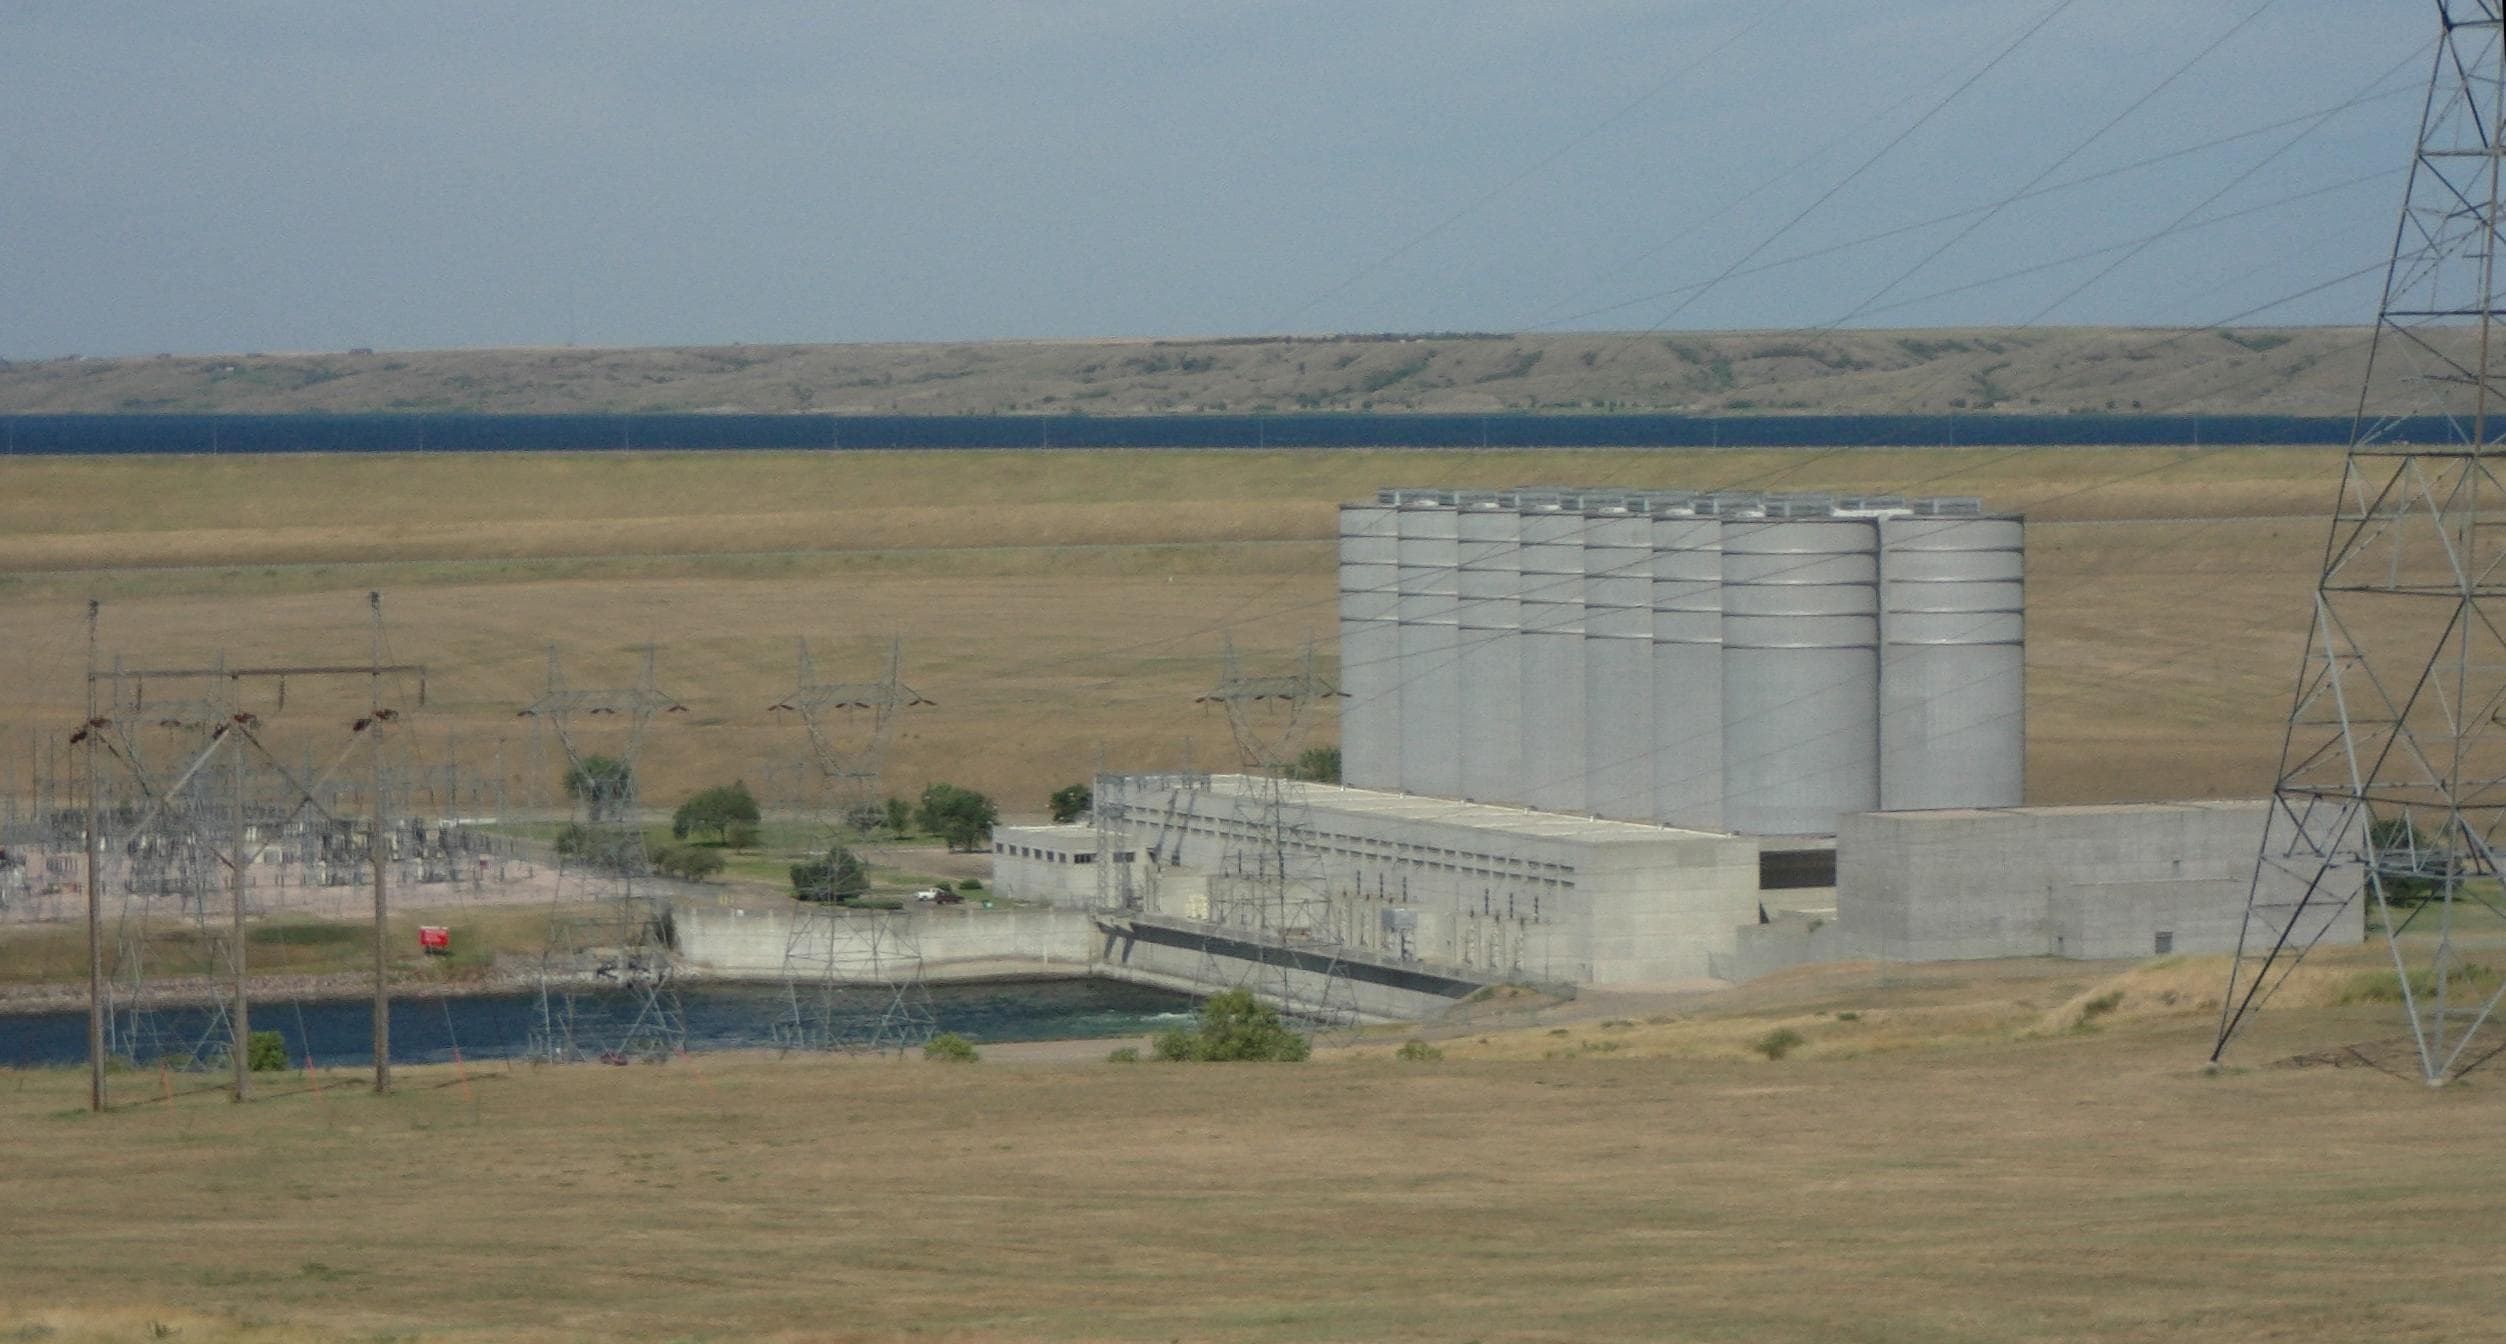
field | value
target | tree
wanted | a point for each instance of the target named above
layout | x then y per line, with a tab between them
602	784
1317	765
1071	803
688	862
900	816
1234	1026
715	810
962	818
834	876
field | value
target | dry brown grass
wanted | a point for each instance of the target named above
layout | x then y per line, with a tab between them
1977	1184
1051	602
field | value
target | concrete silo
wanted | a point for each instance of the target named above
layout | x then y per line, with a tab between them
1618	657
1552	644
1370	646
1953	672
1489	557
1687	672
1800	667
1431	683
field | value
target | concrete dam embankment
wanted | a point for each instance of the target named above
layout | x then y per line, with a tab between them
776	943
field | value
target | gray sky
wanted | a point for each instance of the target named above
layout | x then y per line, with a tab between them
270	176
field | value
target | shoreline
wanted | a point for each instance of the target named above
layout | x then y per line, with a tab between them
353	987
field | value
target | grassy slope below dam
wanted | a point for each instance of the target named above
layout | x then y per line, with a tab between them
1968	1154
1051	604
2288	371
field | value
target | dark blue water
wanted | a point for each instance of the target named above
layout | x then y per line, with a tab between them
111	434
719	1017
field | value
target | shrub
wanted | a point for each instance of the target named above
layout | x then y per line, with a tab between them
741	835
1416	1051
266	1052
834	876
1234	1026
1849	1017
687	862
1780	1042
1070	802
971	884
1123	1054
950	1048
2100	1006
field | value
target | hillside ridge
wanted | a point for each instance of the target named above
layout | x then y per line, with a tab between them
2290	370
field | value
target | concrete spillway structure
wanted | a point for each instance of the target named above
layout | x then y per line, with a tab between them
1489	550
1687	671
1552	646
1619	733
1427	546
1953	661
1800	668
1370	646
1739	662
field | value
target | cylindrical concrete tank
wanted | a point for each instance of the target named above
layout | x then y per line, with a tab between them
1431	683
1618	658
1800	669
1553	651
1953	677
1489	556
1370	647
1687	674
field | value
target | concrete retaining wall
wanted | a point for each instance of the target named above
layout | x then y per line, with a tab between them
962	944
2098	882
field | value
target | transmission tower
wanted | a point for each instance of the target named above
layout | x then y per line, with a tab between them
1269	889
605	985
852	979
850	724
2392	782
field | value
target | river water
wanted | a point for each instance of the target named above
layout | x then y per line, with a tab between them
427	1029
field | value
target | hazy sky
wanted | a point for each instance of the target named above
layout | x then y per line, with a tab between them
267	176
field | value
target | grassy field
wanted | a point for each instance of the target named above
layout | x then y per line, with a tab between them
1951	1156
1052	604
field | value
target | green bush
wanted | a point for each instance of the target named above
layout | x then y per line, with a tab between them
1234	1026
962	818
1070	803
266	1052
835	876
690	863
741	835
971	884
1780	1042
716	810
950	1048
1416	1051
1123	1054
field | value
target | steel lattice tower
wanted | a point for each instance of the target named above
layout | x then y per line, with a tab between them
2392	784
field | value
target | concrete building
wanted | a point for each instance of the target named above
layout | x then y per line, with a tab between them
2097	882
1755	663
1486	890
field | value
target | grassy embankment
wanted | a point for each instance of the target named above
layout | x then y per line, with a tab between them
1051	603
1951	1155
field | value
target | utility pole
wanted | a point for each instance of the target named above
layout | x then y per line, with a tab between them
240	1016
233	732
94	845
375	714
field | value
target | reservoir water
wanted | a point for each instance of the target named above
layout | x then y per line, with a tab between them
426	1029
